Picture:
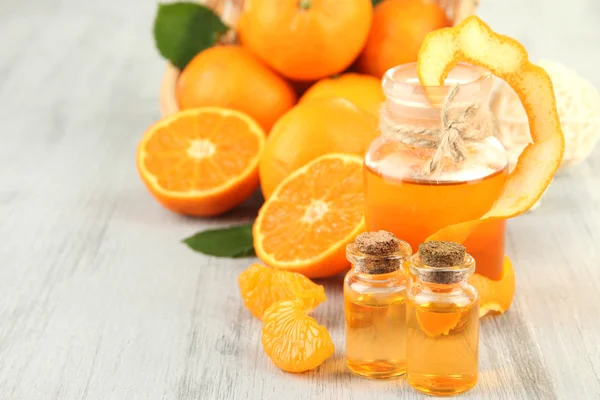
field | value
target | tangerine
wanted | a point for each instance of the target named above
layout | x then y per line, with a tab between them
399	27
318	208
202	161
364	91
306	39
229	76
309	130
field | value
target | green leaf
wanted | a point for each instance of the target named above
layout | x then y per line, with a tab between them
235	241
375	2
182	30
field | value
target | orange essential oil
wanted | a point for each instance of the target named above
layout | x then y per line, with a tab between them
375	305
402	199
442	311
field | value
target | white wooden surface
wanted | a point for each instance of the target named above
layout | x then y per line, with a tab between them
99	300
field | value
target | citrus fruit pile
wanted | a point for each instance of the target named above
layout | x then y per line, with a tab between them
244	123
332	48
301	80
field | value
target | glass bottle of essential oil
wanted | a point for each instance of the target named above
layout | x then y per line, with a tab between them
442	311
375	305
405	195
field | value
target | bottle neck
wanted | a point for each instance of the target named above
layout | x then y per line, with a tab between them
436	129
442	278
438	288
374	268
409	103
371	265
385	279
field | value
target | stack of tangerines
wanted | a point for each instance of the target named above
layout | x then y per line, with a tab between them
242	124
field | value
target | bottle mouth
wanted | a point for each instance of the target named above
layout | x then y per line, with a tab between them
401	84
445	275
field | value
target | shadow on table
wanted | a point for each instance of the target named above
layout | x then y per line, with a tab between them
331	312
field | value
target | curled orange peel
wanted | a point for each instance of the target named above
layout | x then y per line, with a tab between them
495	296
473	41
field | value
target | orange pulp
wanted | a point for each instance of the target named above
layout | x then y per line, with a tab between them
415	209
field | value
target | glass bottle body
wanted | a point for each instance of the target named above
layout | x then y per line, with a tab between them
401	199
442	336
375	315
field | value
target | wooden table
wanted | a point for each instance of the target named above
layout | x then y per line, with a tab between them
100	300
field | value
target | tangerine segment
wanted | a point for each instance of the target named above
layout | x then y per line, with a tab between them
310	218
294	341
495	296
262	286
201	161
474	42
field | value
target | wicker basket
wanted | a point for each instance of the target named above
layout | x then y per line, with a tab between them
229	11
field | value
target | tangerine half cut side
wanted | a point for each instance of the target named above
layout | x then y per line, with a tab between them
311	216
262	286
473	41
201	161
294	341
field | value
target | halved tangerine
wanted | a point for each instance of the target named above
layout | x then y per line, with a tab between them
310	218
201	161
294	341
262	286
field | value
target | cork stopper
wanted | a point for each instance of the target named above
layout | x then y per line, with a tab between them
377	252
442	254
443	262
379	243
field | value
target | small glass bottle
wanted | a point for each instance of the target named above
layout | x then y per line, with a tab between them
375	305
442	320
407	197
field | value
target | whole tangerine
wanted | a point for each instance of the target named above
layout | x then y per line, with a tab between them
229	76
306	39
310	130
362	90
399	27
